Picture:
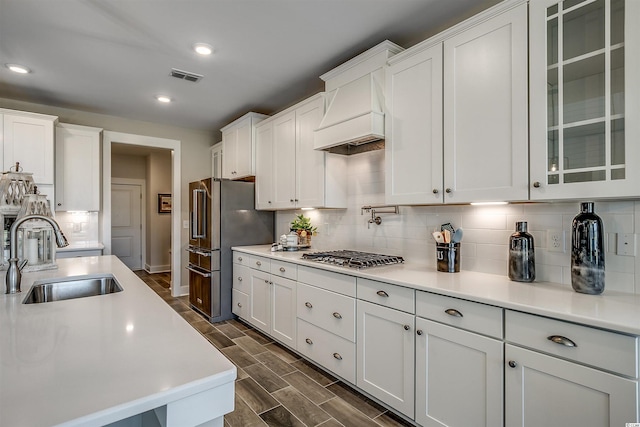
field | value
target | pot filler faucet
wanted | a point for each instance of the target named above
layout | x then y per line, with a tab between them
14	275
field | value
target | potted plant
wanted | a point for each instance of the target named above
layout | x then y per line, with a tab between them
303	228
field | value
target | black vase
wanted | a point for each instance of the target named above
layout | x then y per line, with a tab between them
587	251
522	264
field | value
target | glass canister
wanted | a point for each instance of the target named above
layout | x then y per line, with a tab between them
522	263
587	251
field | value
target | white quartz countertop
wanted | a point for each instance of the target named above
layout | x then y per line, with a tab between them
611	310
92	361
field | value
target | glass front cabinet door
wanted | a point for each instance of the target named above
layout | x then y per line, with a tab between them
585	101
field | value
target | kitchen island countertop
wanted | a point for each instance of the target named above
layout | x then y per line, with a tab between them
612	310
97	360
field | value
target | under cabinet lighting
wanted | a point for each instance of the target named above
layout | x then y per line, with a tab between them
488	203
203	49
307	209
163	99
20	69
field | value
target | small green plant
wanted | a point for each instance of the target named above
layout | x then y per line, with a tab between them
303	223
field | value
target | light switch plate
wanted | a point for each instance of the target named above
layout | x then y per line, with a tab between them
626	244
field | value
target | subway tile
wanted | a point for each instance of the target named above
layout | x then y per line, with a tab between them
619	282
484	220
492	252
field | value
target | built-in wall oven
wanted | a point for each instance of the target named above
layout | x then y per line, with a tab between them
222	215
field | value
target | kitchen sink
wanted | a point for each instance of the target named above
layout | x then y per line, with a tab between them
70	288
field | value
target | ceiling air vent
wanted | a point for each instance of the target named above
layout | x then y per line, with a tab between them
186	75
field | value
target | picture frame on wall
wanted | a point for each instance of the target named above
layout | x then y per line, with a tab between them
164	203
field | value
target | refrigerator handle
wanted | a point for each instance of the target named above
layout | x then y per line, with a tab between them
198	216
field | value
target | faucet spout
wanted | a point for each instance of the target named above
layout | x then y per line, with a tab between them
14	275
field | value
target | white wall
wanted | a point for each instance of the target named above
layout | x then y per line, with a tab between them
486	229
158	224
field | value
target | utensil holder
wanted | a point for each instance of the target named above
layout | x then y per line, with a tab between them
448	257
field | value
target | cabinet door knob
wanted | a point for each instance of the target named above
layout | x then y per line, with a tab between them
308	304
239	305
258	263
308	341
240	258
436	191
453	312
269	201
512	363
59	204
419	332
337	315
291	200
559	339
239	278
337	356
448	190
406	327
266	281
383	294
536	184
282	269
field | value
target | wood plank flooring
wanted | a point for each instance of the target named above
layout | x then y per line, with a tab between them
275	387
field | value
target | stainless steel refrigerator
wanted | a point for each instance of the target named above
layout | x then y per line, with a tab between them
221	215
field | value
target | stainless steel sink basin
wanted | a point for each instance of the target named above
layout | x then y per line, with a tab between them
71	287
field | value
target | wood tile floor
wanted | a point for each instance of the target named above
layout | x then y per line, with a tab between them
275	387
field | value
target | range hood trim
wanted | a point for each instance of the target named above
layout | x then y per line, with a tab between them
356	128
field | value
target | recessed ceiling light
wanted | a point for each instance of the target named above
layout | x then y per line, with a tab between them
203	48
20	69
163	98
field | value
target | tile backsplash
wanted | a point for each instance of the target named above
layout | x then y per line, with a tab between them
487	229
79	227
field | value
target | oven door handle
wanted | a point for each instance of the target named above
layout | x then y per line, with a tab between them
203	274
198	252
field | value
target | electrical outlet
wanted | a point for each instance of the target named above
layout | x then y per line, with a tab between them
555	240
626	244
185	224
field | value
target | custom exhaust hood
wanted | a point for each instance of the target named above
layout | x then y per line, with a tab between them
354	118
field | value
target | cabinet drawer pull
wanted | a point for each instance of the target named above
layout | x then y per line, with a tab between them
337	356
512	363
282	269
266	281
308	341
435	191
453	312
383	294
240	258
419	332
559	339
258	263
239	278
406	327
308	304
337	315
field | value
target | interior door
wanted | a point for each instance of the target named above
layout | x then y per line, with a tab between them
126	224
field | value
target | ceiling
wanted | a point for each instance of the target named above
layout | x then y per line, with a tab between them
114	56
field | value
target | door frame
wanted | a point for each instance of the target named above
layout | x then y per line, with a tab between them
109	137
143	213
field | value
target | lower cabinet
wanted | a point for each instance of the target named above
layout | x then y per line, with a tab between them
385	358
457	369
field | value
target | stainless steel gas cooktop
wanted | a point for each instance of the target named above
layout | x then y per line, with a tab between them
353	259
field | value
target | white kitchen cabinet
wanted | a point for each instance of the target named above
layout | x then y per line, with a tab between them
264	166
289	172
238	145
28	138
385	355
461	135
77	168
216	160
584	93
569	374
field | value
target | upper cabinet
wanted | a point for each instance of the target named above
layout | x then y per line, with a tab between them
457	113
290	174
238	145
77	168
584	64
28	139
216	160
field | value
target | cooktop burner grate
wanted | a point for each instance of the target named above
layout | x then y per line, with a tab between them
353	259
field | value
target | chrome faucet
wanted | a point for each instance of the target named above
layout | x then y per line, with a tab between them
14	273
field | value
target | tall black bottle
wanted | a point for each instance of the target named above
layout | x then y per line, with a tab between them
587	251
522	264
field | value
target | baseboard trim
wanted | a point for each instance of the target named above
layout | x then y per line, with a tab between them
157	268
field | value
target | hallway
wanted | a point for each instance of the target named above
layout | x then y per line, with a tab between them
275	387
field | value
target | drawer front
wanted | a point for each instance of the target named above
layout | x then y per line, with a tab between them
241	278
386	294
260	263
240	304
333	312
472	316
241	258
328	350
336	282
602	349
284	269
